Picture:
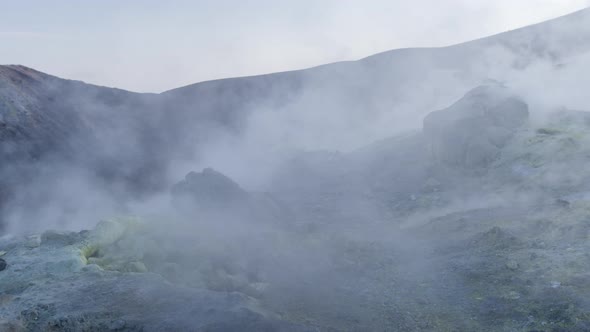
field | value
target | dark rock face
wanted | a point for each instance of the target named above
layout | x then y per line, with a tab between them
213	194
48	124
210	189
471	132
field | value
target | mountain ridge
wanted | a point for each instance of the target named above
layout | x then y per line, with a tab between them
579	14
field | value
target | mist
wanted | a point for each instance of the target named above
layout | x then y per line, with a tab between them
419	189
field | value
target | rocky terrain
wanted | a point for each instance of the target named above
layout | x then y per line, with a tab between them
432	258
474	217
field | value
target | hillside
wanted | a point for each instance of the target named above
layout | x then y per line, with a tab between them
431	189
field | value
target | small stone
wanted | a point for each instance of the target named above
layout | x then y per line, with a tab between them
562	203
117	325
512	265
33	241
2	253
3	264
95	260
92	267
555	284
512	295
136	267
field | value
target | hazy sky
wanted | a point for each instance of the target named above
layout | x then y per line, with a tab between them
154	45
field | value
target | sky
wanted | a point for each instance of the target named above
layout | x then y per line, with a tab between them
153	46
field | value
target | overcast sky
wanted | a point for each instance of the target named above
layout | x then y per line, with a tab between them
154	45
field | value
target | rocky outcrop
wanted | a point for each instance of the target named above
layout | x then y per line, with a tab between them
210	189
212	194
53	287
471	132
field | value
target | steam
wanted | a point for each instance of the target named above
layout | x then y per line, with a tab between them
339	108
305	151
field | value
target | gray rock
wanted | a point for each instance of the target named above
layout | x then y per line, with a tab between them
471	132
215	196
136	267
512	265
33	241
209	189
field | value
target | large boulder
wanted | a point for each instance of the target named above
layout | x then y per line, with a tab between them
209	189
471	132
211	194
